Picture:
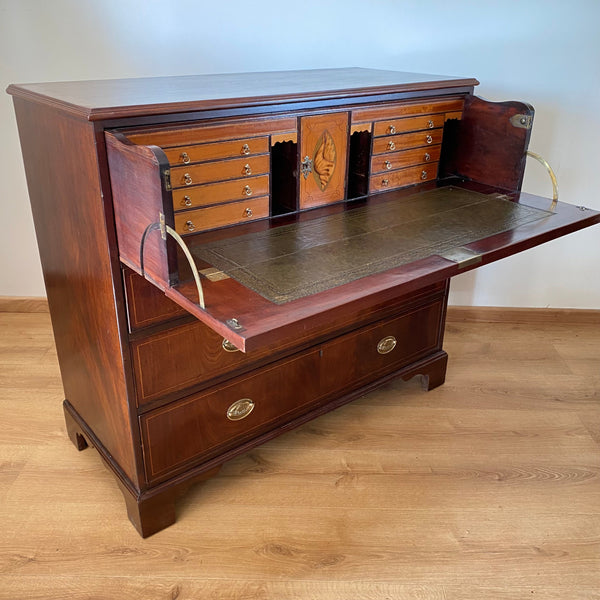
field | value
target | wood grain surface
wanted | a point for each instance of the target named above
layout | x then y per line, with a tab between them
486	487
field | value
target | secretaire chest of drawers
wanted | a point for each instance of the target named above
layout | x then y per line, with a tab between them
229	256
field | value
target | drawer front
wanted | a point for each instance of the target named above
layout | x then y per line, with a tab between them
361	357
203	152
194	429
394	126
407	141
214	193
406	109
396	179
407	158
180	358
146	304
222	215
220	170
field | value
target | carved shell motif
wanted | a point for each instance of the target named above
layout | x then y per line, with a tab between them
324	160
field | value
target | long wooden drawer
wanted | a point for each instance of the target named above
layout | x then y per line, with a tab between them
395	179
182	357
184	155
221	215
407	158
360	357
215	193
407	140
197	428
393	126
220	170
146	304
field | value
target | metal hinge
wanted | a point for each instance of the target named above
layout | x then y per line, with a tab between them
522	121
167	180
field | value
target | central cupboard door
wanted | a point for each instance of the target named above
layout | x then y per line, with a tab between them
323	159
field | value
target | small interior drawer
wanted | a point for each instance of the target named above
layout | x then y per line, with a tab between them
394	126
219	170
184	155
221	215
407	158
407	140
203	425
394	179
214	193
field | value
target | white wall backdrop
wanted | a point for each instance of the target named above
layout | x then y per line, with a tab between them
546	52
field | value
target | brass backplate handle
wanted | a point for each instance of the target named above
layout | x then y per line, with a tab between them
543	161
386	345
240	409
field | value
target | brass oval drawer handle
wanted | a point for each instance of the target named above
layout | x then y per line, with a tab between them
187	179
427	157
190	226
387	164
240	409
429	139
391	145
228	346
392	129
386	345
248	212
187	201
245	149
430	124
247	170
247	190
185	159
423	174
385	182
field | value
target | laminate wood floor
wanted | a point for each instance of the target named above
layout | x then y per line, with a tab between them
488	487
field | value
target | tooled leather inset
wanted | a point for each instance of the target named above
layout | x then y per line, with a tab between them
324	161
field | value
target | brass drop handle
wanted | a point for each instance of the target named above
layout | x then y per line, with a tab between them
190	226
427	157
240	409
385	182
247	190
185	159
228	346
187	179
430	124
245	149
392	129
391	145
388	165
429	139
423	174
247	169
386	345
187	201
248	212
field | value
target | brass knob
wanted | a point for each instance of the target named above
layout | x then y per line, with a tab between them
240	409
388	165
248	212
391	145
245	149
392	129
187	201
185	159
385	182
190	226
247	170
427	157
386	345
429	139
247	190
430	124
228	346
423	174
187	179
